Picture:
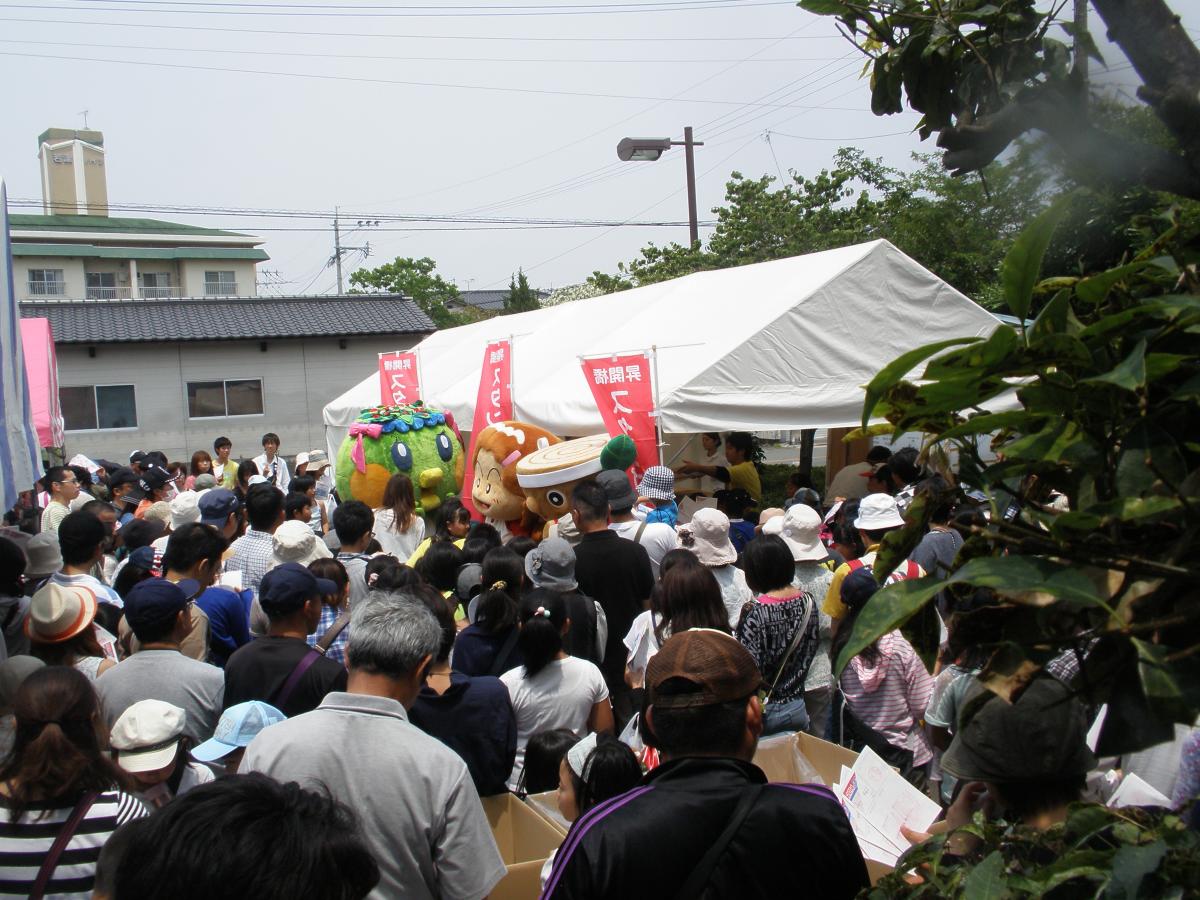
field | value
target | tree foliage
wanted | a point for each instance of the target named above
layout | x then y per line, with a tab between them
521	297
415	278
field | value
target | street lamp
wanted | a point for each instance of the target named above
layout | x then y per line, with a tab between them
650	149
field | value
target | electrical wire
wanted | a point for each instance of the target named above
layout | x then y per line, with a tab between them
380	13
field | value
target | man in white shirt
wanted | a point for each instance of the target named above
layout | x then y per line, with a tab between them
656	537
63	487
427	829
270	465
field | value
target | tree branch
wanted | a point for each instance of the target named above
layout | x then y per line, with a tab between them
1062	116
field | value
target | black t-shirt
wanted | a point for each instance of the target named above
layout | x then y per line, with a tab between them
259	670
616	573
795	841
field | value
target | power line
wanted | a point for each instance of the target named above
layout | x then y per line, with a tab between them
360	56
400	82
421	37
416	13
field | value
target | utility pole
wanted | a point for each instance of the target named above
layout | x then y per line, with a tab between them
1081	57
337	251
689	151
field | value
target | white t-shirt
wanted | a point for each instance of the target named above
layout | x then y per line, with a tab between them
560	696
658	539
641	644
399	544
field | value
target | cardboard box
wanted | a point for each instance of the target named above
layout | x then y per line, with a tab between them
546	806
803	759
525	840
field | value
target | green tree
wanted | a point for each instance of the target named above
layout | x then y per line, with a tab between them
521	297
413	278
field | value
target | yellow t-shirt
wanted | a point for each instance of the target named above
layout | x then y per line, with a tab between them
745	476
833	605
424	545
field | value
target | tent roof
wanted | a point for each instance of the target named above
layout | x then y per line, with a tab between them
785	344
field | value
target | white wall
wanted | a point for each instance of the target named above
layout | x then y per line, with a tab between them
299	377
72	268
191	275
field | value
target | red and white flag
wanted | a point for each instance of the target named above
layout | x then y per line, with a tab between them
493	404
398	379
625	397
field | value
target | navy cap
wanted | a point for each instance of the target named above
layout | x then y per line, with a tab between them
216	506
154	601
285	589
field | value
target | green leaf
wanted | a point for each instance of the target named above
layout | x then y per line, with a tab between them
892	606
1129	374
986	423
1130	865
1096	288
893	373
1158	681
1024	578
822	7
986	880
1056	318
985	355
1159	365
1021	267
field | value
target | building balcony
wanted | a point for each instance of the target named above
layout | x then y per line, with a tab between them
107	292
221	289
40	289
161	292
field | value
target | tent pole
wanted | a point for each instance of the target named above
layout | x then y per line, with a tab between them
658	432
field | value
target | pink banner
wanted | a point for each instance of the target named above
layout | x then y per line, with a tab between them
625	397
493	404
398	379
41	374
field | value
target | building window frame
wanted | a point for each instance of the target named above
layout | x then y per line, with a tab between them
56	286
218	285
95	389
225	382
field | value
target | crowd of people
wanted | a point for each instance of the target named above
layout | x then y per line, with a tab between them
220	679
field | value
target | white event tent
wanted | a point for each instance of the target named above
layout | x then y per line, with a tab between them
786	344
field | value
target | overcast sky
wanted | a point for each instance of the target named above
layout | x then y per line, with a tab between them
496	108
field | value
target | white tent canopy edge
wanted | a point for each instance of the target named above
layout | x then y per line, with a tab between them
785	344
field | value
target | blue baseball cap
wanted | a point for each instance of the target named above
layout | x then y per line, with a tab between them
216	506
154	601
238	727
285	589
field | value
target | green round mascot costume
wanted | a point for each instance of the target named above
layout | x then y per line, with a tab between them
415	439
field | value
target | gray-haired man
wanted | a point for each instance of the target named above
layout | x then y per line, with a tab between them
415	800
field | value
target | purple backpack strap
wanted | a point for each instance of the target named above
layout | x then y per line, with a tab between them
289	686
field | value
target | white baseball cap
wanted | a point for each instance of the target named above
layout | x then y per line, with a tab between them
146	735
878	511
185	509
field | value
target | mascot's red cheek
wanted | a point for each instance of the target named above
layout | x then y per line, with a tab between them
368	486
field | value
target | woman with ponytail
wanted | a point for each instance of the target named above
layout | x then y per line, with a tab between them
58	789
552	689
489	645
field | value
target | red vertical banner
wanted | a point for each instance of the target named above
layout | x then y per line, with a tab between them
398	379
493	404
625	397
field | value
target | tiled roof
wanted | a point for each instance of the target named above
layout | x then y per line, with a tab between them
27	222
252	318
490	299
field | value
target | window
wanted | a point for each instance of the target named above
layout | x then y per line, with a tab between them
91	407
220	284
211	399
155	285
46	282
101	285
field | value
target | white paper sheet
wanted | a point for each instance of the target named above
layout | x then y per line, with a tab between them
1136	791
878	801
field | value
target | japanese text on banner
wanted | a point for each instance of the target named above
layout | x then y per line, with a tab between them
493	404
398	380
624	395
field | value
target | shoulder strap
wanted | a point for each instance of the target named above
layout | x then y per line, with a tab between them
293	680
796	639
637	538
501	660
854	565
327	639
69	827
698	880
913	570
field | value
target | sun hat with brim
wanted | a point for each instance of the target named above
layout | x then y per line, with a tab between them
146	736
239	725
707	535
317	460
1040	735
301	460
800	528
296	542
658	483
58	612
551	565
771	512
878	511
43	555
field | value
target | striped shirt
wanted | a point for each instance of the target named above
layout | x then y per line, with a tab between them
890	694
25	843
